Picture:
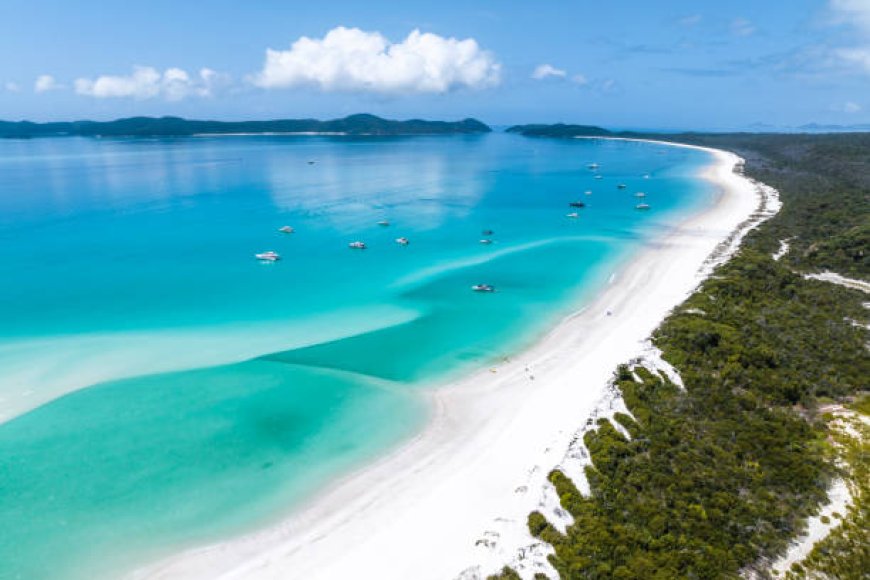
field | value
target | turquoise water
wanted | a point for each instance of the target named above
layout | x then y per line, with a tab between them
221	391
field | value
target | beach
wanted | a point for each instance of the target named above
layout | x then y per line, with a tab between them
453	500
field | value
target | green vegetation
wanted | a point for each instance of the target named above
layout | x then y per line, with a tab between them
177	127
717	478
845	552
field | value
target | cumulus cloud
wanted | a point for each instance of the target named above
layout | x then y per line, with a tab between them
146	82
45	83
543	71
548	71
350	59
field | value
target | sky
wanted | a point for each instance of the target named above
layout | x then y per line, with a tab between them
668	64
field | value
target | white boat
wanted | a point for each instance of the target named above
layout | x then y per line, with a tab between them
599	177
402	241
593	166
483	288
621	186
384	223
269	256
640	194
286	230
486	241
646	176
642	206
587	192
572	215
357	245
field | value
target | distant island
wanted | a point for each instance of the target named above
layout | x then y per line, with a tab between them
560	130
362	124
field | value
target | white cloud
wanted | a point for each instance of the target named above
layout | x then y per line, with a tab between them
350	59
689	21
11	87
859	56
543	71
851	107
579	80
742	27
146	82
854	12
45	83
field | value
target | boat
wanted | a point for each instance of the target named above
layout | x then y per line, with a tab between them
587	193
599	177
640	194
269	256
572	215
642	206
577	204
357	245
402	241
593	166
483	288
311	162
487	232
286	229
485	241
621	186
384	223
646	176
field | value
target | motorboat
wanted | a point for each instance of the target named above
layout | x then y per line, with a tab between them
383	223
593	166
487	232
402	241
357	245
621	186
646	176
599	177
485	241
640	194
483	288
577	204
642	206
269	256
587	192
286	230
572	215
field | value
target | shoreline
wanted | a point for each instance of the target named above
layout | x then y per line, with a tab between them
461	489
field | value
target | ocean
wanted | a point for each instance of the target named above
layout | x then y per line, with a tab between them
161	388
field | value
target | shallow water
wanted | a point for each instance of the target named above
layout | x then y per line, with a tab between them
226	390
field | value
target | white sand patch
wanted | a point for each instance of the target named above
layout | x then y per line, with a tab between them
835	278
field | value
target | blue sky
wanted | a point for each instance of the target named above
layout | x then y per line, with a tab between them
620	63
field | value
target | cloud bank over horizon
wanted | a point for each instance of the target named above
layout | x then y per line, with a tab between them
350	59
146	82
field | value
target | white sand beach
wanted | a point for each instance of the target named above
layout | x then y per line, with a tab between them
453	501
